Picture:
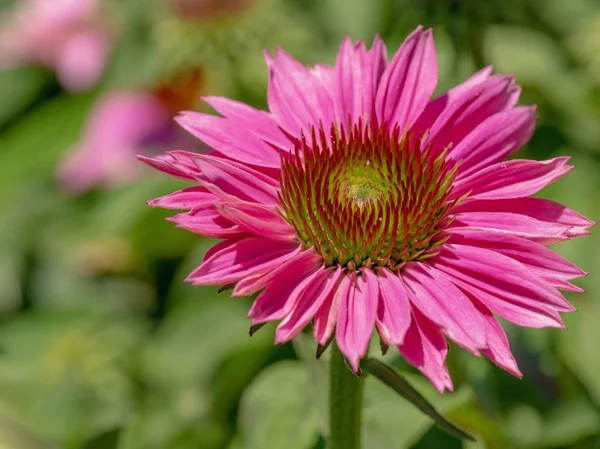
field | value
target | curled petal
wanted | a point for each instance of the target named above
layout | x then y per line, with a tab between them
190	198
232	181
257	219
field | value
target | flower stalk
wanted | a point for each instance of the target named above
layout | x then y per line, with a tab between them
345	404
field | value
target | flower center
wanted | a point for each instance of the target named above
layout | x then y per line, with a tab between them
368	197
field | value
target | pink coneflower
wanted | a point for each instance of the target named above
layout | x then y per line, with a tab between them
68	36
123	124
358	202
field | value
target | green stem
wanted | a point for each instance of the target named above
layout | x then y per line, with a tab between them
345	404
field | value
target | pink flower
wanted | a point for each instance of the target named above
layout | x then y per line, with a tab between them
68	36
123	124
359	203
120	126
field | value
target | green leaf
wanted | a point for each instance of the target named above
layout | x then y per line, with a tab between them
276	412
396	382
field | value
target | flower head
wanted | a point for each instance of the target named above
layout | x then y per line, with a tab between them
360	203
68	36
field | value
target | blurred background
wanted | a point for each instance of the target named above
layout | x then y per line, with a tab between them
103	346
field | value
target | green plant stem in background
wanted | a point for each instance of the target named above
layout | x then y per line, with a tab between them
345	404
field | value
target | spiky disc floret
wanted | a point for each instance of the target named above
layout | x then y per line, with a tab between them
368	197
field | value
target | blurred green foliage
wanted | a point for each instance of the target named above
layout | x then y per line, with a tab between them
103	346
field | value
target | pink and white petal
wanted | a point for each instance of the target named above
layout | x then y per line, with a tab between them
512	179
297	98
206	221
356	317
443	303
393	310
281	295
242	258
503	285
460	117
259	123
536	257
232	181
310	300
498	350
189	198
425	348
252	284
408	82
233	141
513	224
494	140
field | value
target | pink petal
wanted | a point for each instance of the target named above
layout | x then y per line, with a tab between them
462	116
353	91
512	179
537	258
260	123
503	285
498	350
356	79
444	304
190	198
549	221
539	208
175	163
233	141
242	258
438	105
408	82
206	221
281	295
513	224
393	311
327	316
253	284
231	181
425	348
358	307
296	97
257	219
310	300
494	140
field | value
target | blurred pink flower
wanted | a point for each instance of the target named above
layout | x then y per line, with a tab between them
123	124
68	36
360	203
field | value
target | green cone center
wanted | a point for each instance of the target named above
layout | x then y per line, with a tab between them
365	198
